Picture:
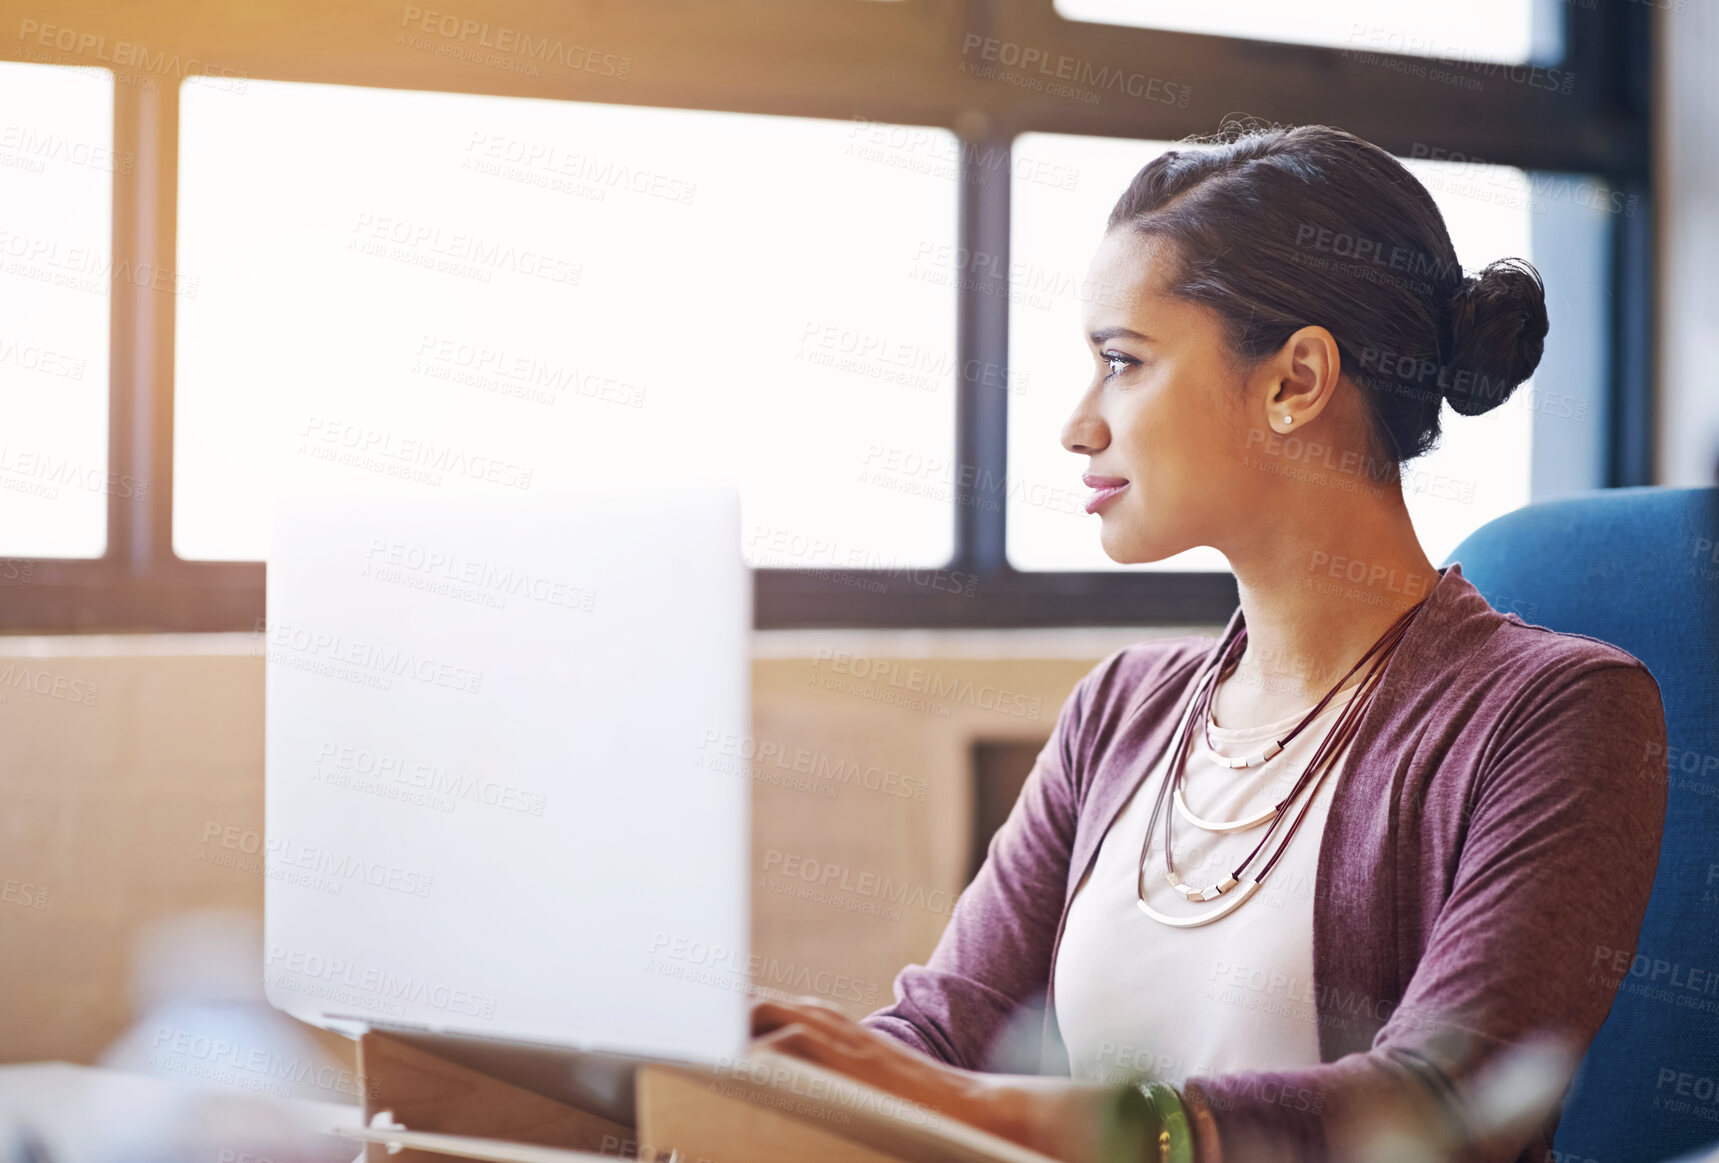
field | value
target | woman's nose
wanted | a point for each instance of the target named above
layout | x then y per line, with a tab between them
1084	431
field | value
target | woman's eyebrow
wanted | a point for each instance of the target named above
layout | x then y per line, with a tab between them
1105	333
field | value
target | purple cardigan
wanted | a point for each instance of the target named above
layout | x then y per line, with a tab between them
1489	851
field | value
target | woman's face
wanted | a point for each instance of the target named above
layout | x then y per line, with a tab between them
1163	420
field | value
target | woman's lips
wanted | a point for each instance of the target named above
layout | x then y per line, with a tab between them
1103	489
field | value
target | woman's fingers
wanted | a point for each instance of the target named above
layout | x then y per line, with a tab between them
769	1015
803	1042
815	1035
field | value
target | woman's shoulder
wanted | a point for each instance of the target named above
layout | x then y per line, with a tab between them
1532	654
1471	645
1495	673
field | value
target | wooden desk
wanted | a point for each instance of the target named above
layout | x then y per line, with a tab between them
766	1109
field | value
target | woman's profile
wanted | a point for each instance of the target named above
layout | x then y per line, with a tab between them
1326	878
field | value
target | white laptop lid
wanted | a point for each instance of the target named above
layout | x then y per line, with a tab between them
486	811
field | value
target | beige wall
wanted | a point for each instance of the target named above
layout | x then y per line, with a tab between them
119	752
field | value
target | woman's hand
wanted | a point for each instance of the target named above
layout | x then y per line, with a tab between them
820	1033
1058	1117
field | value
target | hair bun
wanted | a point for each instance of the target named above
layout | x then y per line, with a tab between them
1497	334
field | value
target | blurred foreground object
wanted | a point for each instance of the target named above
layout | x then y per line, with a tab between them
209	1071
57	1112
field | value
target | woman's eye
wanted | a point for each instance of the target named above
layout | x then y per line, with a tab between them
1118	363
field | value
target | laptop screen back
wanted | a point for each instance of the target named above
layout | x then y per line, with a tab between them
489	803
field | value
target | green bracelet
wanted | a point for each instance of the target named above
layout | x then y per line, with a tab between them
1175	1142
1130	1126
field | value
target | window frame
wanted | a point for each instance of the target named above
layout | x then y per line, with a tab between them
895	61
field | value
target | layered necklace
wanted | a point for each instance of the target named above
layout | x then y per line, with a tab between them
1241	883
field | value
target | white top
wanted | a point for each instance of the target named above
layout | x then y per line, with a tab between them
1135	996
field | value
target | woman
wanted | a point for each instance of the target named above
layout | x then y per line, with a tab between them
1329	878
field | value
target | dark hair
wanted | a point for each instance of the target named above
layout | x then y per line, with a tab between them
1281	228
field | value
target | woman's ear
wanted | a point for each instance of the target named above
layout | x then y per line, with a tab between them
1300	379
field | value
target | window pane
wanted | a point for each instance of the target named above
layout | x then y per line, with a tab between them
1465	34
1482	465
408	291
56	184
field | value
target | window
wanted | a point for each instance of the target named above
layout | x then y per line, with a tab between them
1467	34
439	291
56	180
373	256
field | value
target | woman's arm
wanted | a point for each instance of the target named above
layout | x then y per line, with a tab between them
1552	881
1553	877
994	957
1073	1121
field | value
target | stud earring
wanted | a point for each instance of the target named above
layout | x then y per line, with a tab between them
1289	419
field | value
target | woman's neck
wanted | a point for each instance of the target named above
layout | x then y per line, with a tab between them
1314	605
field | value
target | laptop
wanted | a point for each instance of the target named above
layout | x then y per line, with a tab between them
491	815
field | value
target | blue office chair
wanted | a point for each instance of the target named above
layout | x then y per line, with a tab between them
1639	568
